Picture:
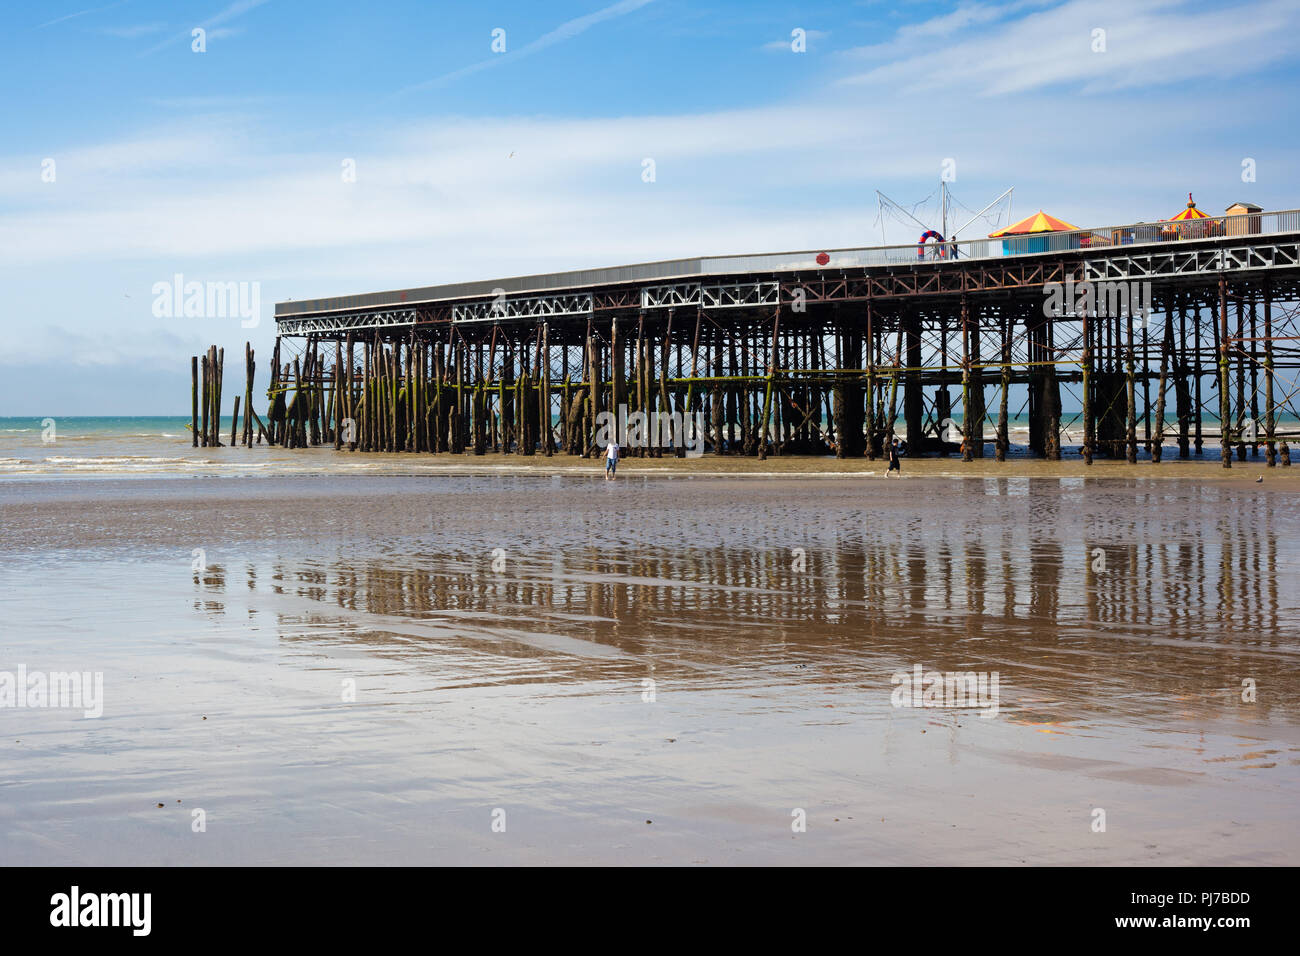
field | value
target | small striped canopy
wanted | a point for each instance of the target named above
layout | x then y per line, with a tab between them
1191	212
1038	222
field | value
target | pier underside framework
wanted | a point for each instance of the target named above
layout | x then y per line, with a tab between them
821	360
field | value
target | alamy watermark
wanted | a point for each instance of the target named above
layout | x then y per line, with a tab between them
176	298
126	910
82	690
1102	299
651	430
956	689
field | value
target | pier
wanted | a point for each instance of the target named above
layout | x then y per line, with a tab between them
1152	331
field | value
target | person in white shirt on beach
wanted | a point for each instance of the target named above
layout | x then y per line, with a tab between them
611	461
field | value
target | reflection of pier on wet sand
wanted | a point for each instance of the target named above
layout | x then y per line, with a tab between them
500	633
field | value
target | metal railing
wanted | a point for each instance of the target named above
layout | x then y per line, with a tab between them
1103	238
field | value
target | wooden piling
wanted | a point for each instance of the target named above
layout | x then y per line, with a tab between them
1166	353
219	366
250	372
1004	436
1089	435
1225	409
194	401
1270	423
544	392
869	398
206	400
966	416
1130	417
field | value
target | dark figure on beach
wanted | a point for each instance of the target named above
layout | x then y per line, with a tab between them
895	459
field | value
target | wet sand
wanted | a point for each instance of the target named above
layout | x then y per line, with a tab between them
770	614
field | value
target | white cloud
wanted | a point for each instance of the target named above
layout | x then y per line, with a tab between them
1148	42
731	181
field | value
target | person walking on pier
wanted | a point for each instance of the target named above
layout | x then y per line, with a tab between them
611	460
895	461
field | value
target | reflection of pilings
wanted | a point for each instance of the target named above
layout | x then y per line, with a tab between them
977	586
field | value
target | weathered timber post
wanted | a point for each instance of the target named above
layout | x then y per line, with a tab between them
872	425
977	410
1051	405
545	392
1197	407
1146	380
216	397
595	392
249	370
206	401
767	398
616	388
499	431
676	435
294	421
194	400
695	351
1225	409
521	384
338	394
1182	391
1166	352
363	401
1270	423
637	403
839	406
913	400
1241	382
395	396
458	431
1089	434
1130	418
1004	435
889	425
966	415
1254	380
273	395
717	403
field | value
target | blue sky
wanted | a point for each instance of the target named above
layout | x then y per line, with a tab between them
226	165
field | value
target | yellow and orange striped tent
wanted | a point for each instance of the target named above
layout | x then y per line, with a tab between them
1038	222
1191	212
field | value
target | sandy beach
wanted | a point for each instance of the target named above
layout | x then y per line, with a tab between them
160	448
666	669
